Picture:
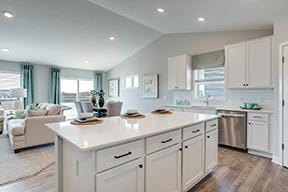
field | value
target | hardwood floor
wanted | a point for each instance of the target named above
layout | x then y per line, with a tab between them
237	172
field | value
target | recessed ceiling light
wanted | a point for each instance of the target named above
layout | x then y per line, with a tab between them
4	49
201	19
111	38
8	14
160	10
86	62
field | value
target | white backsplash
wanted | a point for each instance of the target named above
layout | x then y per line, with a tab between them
233	98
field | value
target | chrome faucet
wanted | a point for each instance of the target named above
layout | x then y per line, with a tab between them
207	100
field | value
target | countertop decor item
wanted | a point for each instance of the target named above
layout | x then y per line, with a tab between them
101	100
132	116
93	94
86	121
161	111
150	86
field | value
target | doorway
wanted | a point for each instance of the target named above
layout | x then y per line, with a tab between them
284	58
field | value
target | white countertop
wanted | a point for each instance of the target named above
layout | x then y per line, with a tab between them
233	108
115	130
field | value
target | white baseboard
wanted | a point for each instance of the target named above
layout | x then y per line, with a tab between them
277	160
260	153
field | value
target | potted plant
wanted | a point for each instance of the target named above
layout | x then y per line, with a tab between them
101	100
93	94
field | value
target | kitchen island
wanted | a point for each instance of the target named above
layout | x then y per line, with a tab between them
159	153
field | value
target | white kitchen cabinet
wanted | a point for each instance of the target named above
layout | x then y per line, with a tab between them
193	154
163	170
180	73
258	136
211	150
259	63
248	64
235	58
126	178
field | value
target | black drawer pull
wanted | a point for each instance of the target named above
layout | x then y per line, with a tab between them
186	147
196	131
168	140
140	166
208	136
120	156
214	125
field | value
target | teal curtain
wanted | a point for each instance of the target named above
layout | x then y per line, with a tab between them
54	85
27	82
98	80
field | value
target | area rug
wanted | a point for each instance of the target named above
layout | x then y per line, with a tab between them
27	163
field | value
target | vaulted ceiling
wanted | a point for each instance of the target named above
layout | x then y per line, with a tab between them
75	33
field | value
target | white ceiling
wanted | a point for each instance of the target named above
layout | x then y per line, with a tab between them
181	15
68	32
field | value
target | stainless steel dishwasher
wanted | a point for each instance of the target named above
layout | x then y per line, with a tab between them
233	128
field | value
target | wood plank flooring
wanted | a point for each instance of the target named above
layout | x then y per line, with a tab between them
237	172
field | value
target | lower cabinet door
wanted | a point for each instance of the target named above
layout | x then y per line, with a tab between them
211	150
163	170
193	161
258	136
126	178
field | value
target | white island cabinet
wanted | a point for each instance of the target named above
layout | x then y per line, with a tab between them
159	153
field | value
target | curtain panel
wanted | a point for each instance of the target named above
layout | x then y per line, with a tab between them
27	82
98	80
54	85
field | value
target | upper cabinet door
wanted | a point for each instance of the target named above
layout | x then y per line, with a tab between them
259	63
179	73
235	63
172	73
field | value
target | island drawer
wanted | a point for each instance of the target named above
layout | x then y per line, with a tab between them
162	141
211	125
111	157
192	131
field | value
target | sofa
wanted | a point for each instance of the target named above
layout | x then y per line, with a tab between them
31	131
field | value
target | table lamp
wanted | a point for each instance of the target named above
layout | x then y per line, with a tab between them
18	93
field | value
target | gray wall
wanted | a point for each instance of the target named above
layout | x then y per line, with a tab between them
153	59
41	77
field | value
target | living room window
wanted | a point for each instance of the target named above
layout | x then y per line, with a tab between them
75	90
209	82
8	80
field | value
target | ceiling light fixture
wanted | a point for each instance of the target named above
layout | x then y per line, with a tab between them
86	62
111	38
160	10
201	19
4	49
8	14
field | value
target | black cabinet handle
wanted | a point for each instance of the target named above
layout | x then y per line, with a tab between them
249	123
140	166
180	149
243	84
186	147
214	125
120	156
196	131
208	136
166	141
247	85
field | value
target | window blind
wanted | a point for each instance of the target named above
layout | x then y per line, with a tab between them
208	60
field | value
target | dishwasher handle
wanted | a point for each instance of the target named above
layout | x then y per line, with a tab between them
231	115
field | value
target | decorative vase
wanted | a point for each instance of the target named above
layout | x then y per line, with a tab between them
93	100
101	101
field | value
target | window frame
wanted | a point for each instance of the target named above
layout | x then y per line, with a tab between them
14	73
209	81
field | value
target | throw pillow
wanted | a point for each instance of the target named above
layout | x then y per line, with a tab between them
34	113
53	109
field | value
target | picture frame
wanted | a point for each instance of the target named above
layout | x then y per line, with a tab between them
150	86
113	87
